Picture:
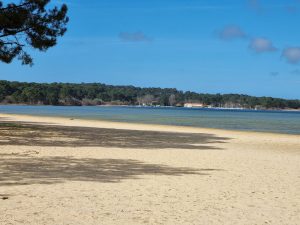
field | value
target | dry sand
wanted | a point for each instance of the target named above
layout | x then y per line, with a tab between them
93	172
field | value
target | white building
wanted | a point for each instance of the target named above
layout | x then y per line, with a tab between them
193	105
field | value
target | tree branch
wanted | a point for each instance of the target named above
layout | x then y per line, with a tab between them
12	43
14	33
14	6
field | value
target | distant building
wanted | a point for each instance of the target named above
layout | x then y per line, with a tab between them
194	105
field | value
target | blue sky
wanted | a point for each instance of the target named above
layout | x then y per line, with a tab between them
233	46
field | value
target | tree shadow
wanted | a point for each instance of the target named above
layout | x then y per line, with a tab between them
51	170
29	134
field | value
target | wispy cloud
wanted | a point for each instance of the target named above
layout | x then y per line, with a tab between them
195	7
261	45
134	37
231	32
292	55
274	74
255	5
149	7
259	7
295	72
291	9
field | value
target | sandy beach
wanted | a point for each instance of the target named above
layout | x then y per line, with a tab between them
74	172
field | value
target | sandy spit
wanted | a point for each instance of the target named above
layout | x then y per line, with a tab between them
234	178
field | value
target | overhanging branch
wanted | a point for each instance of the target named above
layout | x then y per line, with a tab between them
14	7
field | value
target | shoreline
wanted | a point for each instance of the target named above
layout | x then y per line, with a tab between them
154	106
95	123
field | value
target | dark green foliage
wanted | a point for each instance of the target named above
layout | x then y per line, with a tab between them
97	94
29	24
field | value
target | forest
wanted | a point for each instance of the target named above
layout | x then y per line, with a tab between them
89	94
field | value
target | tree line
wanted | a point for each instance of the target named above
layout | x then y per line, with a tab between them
70	94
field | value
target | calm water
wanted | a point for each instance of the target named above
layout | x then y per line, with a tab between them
265	121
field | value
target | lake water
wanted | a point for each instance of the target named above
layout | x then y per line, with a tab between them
264	121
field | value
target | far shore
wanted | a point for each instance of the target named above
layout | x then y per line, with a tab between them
71	121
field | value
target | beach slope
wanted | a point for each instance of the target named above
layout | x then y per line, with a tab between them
66	171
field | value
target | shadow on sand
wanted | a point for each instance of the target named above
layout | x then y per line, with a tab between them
20	133
50	170
24	169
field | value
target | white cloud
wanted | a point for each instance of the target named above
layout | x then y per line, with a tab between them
260	45
232	32
292	54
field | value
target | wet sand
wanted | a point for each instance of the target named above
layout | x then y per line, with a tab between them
63	171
